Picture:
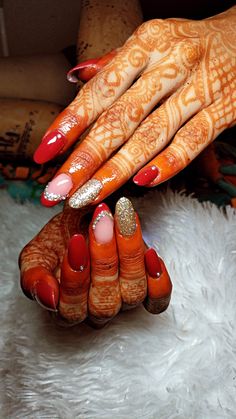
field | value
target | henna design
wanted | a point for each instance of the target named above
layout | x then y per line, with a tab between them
188	65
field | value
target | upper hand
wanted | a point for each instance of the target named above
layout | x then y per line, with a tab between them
188	68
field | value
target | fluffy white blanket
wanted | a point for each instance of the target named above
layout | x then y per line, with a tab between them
180	364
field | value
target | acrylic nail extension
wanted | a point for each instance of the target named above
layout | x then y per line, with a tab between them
78	255
146	175
52	143
104	293
159	285
45	295
132	274
103	224
125	216
83	71
153	263
86	194
58	189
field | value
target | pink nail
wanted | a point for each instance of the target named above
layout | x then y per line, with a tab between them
103	224
58	188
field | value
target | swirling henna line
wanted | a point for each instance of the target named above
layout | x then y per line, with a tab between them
46	249
149	138
200	131
117	124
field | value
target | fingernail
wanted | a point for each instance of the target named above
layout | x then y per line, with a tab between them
153	263
125	217
50	146
45	295
57	189
103	224
86	194
146	175
47	203
83	71
78	255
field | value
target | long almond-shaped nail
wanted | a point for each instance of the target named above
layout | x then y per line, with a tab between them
46	295
146	175
58	189
83	71
125	216
39	284
159	285
103	224
52	143
86	194
78	255
153	263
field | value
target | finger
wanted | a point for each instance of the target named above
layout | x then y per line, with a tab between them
75	280
118	123
159	286
38	262
86	70
104	294
39	284
41	258
190	140
148	140
132	273
98	94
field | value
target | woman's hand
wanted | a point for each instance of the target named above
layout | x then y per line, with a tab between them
92	271
187	68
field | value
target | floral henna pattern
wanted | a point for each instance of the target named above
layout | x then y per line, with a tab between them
187	65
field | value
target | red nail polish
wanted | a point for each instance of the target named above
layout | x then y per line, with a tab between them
83	71
101	207
146	175
78	255
46	295
46	203
51	145
153	263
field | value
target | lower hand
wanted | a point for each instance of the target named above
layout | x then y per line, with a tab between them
90	271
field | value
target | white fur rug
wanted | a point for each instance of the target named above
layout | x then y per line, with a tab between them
180	364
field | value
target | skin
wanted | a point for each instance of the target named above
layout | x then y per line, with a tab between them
188	68
114	279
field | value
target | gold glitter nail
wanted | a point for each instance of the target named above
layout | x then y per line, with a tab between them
86	194
125	216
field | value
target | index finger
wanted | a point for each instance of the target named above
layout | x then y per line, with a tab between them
96	96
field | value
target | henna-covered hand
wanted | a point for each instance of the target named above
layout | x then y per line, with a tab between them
188	68
91	270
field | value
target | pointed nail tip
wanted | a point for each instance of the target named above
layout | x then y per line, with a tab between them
51	144
72	78
46	297
39	157
100	207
